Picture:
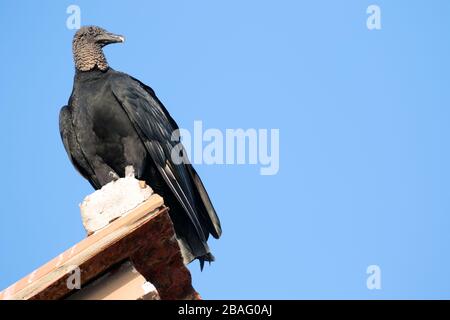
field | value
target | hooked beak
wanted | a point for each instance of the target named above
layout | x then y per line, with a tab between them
108	38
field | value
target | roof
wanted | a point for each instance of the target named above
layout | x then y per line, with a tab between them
144	236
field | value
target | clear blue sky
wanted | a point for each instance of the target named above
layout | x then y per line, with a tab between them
364	137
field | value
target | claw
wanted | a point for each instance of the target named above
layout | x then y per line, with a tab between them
129	171
114	175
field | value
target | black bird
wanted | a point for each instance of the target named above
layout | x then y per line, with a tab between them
112	121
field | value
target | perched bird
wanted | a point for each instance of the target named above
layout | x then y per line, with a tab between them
112	121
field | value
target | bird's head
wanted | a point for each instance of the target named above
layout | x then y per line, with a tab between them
87	46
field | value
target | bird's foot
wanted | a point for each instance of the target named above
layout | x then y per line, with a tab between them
113	175
129	171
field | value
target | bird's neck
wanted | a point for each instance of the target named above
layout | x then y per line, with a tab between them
88	57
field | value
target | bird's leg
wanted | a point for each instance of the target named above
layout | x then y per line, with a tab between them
113	175
129	172
104	173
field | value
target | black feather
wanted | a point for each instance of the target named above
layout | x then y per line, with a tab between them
113	121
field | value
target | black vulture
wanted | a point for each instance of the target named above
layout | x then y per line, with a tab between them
112	121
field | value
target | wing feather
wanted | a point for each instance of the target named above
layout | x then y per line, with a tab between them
155	129
207	210
73	149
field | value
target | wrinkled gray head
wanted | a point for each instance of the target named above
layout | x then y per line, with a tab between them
87	47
